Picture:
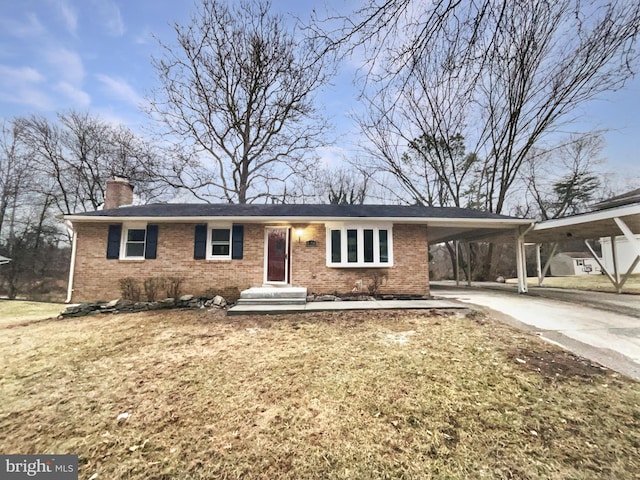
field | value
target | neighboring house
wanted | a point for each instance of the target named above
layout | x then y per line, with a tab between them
325	248
573	263
625	252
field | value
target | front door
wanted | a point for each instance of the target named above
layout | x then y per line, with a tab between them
278	255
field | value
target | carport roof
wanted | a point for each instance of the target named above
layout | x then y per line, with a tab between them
585	226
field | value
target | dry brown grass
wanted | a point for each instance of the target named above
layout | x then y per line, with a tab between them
18	311
324	396
597	283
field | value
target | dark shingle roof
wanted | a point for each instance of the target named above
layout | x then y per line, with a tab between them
627	198
160	210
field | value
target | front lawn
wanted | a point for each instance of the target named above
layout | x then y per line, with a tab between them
359	395
18	311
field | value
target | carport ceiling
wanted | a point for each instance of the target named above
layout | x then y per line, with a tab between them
586	226
439	233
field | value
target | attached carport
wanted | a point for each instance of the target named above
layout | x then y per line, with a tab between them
466	231
612	222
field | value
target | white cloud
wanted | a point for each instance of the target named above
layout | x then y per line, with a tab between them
144	37
120	89
69	15
22	85
110	16
331	156
30	27
68	65
78	97
19	75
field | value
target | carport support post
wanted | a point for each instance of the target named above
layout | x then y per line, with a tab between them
616	270
539	265
521	265
468	244
457	272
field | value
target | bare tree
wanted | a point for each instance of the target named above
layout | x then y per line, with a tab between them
238	91
565	180
15	170
505	75
76	155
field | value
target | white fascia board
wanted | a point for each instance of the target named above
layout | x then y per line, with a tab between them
435	221
608	214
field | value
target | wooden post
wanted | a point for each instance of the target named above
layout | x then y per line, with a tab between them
457	272
468	264
539	265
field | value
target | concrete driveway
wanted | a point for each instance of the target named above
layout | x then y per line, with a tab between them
606	334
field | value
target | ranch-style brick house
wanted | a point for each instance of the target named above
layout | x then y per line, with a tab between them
222	247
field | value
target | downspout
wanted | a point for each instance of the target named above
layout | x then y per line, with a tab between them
72	265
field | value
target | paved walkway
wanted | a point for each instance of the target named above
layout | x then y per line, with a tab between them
345	305
594	325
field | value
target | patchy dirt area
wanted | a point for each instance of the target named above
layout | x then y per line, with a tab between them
554	364
333	395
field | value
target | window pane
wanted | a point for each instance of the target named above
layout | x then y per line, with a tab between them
352	246
336	252
136	235
368	246
135	250
220	250
384	246
220	235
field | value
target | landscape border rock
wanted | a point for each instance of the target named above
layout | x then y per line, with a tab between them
121	305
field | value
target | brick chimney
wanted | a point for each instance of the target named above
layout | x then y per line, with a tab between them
119	193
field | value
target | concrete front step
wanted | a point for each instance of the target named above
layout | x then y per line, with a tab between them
274	292
271	301
268	295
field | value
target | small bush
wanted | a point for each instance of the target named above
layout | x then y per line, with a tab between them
152	286
173	287
130	289
377	279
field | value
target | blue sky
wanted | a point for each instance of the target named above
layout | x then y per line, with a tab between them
95	55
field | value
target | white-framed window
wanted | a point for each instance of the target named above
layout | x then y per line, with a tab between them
219	242
134	239
353	245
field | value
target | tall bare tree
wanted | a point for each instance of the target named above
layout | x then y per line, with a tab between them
15	170
79	152
504	74
238	91
565	180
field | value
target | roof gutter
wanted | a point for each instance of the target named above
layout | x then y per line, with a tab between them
433	221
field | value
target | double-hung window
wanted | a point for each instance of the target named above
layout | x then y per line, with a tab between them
359	245
219	243
134	243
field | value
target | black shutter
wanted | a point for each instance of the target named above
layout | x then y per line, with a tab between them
237	238
200	242
152	242
113	241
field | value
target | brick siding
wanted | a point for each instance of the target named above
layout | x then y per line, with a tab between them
97	278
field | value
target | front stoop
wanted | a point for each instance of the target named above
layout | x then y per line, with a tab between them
268	295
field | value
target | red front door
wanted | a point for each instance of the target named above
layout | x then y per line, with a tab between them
277	254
